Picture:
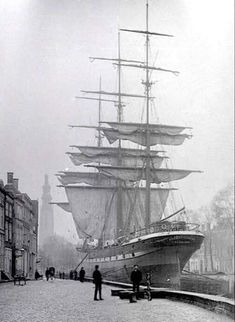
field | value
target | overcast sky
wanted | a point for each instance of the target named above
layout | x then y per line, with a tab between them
45	45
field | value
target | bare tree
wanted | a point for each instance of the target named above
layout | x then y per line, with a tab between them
222	207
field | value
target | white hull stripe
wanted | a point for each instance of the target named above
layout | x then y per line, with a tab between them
164	234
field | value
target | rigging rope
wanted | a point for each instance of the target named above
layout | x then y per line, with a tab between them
81	261
107	212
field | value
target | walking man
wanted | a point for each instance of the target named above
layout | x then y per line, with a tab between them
82	275
47	273
97	280
136	277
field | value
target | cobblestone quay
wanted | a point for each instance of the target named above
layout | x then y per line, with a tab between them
72	301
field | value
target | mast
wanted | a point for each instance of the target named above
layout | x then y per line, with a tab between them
99	117
147	88
120	112
119	227
147	84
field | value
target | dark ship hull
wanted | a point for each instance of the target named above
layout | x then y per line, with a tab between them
164	255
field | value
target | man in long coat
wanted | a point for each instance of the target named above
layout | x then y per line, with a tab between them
136	277
97	280
82	275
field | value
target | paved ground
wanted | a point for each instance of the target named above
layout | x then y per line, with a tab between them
72	301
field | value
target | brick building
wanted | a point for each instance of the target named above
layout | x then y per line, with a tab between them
18	230
2	225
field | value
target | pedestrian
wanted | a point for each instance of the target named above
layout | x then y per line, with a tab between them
75	274
136	277
63	275
47	273
36	275
97	280
82	275
52	272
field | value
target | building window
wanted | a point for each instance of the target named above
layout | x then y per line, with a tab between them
6	231
10	211
1	244
1	217
7	208
2	200
10	232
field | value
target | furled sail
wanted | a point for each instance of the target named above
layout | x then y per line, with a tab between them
137	174
94	208
139	137
157	128
113	159
94	150
91	178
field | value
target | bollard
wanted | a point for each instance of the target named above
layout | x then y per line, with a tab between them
132	297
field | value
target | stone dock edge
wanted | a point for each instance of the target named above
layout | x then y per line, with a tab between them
215	303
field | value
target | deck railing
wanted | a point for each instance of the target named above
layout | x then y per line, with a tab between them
165	226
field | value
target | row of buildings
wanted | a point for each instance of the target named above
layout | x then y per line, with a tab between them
18	230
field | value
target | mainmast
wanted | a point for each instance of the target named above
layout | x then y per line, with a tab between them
147	84
147	89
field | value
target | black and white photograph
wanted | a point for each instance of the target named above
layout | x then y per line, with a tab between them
116	160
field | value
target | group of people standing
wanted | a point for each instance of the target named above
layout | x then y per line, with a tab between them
73	275
136	278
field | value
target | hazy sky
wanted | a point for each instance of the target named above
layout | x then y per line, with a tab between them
45	45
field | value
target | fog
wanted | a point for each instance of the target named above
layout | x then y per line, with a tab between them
45	45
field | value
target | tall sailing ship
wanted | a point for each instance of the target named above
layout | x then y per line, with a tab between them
119	200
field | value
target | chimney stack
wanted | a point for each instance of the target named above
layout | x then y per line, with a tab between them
16	183
10	177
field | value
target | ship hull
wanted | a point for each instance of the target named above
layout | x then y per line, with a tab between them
162	255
